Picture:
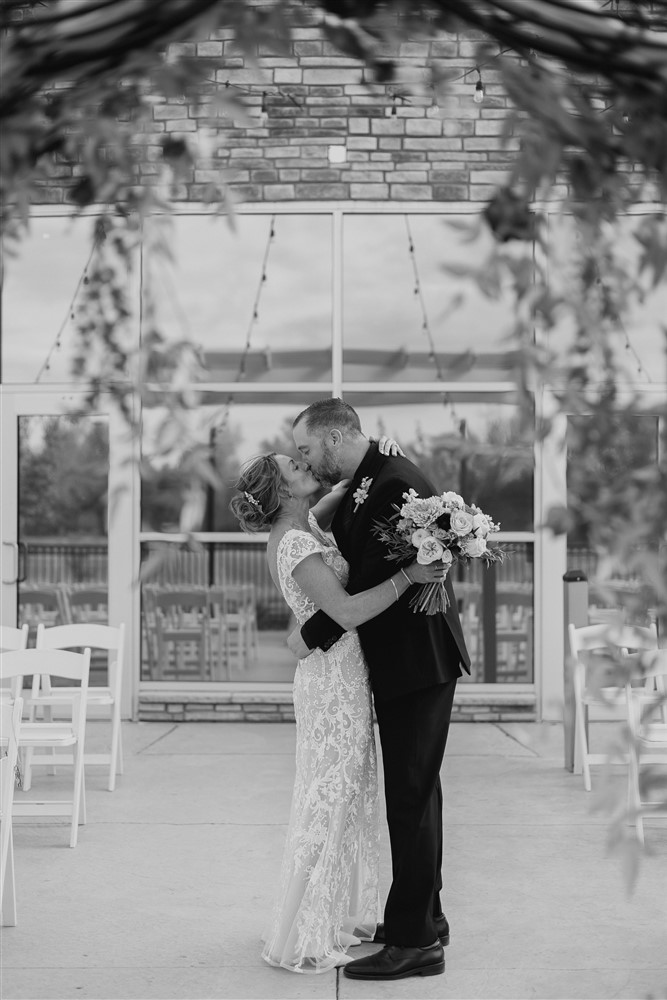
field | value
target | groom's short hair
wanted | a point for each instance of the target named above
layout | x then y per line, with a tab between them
324	414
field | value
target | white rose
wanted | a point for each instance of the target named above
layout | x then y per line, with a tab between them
460	521
429	550
418	536
452	499
473	547
447	558
480	524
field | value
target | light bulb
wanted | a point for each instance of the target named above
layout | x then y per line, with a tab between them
478	96
434	110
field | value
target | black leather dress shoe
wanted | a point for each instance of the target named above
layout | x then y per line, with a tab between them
392	962
441	925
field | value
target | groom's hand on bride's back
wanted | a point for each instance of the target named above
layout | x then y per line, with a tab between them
297	645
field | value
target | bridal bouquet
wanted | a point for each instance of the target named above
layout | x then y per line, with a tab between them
442	527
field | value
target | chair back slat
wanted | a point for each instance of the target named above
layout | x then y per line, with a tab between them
79	635
609	636
57	662
13	638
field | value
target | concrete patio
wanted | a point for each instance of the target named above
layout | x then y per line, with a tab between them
167	891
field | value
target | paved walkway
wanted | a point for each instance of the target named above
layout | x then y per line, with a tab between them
165	895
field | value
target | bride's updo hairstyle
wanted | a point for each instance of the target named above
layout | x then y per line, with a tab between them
258	500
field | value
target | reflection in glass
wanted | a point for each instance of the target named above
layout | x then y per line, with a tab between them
406	318
255	296
39	288
479	449
63	537
231	622
636	339
482	451
212	613
232	435
630	443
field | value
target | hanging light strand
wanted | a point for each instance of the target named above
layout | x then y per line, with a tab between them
479	94
262	89
426	326
629	347
69	315
254	319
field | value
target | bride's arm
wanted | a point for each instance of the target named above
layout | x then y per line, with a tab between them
325	508
325	590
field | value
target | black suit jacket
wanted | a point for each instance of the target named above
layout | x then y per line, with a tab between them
405	650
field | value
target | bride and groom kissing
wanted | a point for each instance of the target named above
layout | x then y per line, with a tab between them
358	644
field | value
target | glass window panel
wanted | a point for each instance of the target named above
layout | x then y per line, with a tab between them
39	287
638	339
478	449
214	614
259	306
630	444
390	293
216	642
63	514
233	435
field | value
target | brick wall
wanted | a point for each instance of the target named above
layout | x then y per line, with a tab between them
262	706
397	150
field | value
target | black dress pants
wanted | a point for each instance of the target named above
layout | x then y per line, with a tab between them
413	734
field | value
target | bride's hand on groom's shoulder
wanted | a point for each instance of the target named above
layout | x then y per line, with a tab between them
388	446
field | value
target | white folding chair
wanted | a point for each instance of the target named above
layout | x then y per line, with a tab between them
10	728
79	636
648	737
604	641
47	735
13	638
235	613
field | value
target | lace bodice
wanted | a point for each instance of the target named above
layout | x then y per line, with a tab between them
296	545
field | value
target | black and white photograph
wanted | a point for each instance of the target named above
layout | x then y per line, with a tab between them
333	472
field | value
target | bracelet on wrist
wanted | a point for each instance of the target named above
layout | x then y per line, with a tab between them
407	577
393	583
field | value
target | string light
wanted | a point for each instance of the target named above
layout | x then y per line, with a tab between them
631	350
260	89
426	327
478	96
434	108
69	315
263	112
254	318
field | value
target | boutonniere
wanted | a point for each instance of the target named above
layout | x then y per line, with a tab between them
361	493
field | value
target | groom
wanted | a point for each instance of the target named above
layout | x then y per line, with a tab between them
414	661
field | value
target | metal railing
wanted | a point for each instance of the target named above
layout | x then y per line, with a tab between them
65	561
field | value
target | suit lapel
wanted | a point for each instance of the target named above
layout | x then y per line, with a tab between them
347	521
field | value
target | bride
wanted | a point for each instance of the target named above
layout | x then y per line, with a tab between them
328	897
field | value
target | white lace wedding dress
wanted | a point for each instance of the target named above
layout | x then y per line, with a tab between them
328	892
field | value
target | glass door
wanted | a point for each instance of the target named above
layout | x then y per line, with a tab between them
67	541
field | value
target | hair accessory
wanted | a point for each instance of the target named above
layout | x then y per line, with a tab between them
250	498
